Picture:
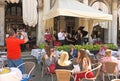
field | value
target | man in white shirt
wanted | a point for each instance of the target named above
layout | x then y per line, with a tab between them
61	37
22	29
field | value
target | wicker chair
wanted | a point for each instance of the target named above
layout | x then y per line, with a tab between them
29	68
63	75
95	70
110	69
115	80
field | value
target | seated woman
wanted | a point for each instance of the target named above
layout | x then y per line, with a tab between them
63	62
84	61
107	58
49	57
54	52
49	60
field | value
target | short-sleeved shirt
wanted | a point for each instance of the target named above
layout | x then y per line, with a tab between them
61	36
13	47
107	59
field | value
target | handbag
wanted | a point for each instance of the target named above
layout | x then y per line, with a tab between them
51	68
76	69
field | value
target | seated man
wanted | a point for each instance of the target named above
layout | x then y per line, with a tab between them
72	52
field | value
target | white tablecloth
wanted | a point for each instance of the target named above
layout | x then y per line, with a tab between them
35	53
38	53
14	75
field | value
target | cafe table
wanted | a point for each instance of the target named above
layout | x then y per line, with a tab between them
14	75
38	54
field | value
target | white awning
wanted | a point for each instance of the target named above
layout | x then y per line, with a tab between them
75	9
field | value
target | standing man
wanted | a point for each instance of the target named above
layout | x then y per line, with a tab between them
61	37
13	49
23	46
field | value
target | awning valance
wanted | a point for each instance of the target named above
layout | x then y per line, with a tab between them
75	9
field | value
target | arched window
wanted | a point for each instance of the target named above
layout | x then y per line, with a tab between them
102	7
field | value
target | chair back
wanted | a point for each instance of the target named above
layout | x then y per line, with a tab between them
28	67
110	67
63	75
115	80
95	69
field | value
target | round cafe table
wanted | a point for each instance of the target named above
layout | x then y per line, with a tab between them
14	75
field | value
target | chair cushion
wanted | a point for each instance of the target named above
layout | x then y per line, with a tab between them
25	77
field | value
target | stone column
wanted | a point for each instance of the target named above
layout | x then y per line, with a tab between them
76	23
90	29
80	22
114	22
109	32
2	23
43	9
40	29
46	9
62	23
85	20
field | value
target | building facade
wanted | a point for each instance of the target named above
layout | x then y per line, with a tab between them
11	16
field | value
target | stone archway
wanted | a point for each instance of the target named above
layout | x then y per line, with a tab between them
102	7
104	25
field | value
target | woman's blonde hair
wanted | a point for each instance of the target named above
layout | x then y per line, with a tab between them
63	58
108	52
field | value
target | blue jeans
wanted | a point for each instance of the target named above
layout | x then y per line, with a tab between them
15	63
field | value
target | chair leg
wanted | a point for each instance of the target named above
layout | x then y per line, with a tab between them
103	77
116	76
75	77
108	77
43	70
51	77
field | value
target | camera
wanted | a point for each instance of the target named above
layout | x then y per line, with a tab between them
19	32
